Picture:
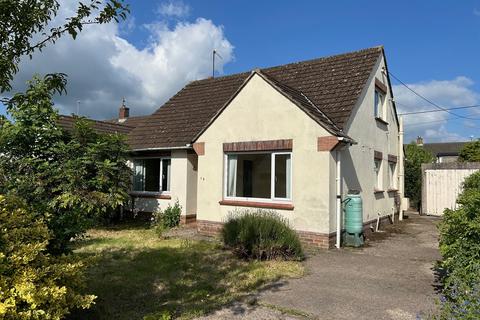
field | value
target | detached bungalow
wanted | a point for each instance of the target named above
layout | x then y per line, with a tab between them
293	138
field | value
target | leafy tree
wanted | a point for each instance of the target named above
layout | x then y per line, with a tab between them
23	24
70	178
33	283
414	157
470	152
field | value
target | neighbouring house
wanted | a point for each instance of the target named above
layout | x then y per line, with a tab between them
444	152
294	139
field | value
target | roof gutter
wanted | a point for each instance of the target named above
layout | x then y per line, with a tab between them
186	147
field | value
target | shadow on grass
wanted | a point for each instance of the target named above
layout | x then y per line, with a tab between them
183	278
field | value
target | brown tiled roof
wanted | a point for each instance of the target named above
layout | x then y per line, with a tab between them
130	121
67	123
326	89
444	148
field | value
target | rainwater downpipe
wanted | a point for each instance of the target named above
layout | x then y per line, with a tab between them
338	180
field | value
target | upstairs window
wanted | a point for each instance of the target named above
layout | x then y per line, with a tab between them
379	104
262	176
151	175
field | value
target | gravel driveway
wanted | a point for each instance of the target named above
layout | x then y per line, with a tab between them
391	278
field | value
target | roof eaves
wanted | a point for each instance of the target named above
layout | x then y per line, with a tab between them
217	114
337	132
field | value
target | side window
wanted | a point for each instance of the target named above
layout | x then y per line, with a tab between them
378	174
392	167
379	104
151	175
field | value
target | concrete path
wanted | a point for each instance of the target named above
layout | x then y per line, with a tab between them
391	278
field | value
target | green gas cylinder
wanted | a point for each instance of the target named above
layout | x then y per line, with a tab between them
353	220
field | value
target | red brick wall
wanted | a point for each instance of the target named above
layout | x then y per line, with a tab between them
285	144
319	240
326	143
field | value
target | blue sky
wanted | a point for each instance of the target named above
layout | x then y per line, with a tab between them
434	46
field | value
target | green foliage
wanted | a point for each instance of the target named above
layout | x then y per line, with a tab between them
470	152
460	248
414	157
261	235
460	228
34	284
69	178
24	23
166	219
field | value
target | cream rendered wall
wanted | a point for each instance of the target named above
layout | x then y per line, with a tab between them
183	185
371	135
259	112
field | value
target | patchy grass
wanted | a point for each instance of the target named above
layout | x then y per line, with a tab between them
137	275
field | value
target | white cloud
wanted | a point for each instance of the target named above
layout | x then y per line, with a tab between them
103	67
476	12
174	9
446	93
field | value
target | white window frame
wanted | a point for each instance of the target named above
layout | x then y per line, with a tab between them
380	114
378	175
167	192
392	175
272	199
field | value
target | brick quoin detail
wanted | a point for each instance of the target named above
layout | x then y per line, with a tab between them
199	148
188	219
319	240
327	143
268	145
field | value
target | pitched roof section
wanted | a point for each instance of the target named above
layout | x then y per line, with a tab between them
130	121
68	122
326	88
444	148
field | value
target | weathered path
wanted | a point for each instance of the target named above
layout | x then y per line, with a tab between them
392	278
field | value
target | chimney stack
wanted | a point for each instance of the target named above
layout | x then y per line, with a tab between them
124	112
419	141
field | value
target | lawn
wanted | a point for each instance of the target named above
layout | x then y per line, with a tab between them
137	275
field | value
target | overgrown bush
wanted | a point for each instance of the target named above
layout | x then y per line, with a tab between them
262	235
68	178
33	283
460	249
168	218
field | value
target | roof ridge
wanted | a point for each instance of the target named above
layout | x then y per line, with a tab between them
291	63
94	120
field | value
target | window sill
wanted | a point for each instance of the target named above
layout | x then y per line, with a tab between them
392	190
151	195
256	204
381	120
378	191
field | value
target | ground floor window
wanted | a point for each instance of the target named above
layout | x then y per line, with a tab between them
378	174
392	167
151	174
259	175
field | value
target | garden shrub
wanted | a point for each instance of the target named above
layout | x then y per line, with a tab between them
460	249
168	218
262	235
33	283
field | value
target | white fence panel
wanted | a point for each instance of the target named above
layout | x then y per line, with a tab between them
442	183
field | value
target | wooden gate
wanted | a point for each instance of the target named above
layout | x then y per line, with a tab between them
442	183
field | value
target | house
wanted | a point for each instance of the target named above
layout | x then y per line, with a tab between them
444	152
294	138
